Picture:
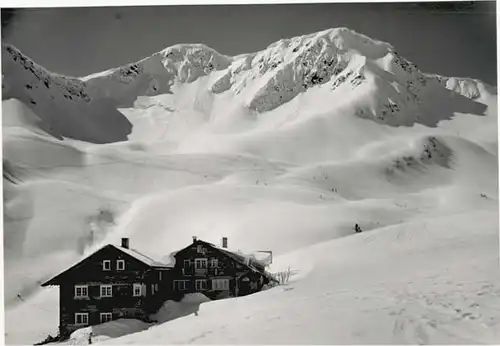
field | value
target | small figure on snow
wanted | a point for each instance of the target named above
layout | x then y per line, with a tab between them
357	229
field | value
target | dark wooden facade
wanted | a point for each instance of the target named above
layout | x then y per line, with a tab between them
121	302
93	292
217	273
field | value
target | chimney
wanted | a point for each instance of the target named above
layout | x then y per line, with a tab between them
194	239
125	243
224	242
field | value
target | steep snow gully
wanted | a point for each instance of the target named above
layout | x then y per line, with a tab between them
283	149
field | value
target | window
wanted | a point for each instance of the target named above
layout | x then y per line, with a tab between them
120	265
214	263
81	291
82	318
201	285
106	317
106	265
137	290
199	248
200	263
220	284
106	291
187	263
180	285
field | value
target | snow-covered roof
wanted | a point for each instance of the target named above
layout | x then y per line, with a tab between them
131	252
264	258
169	260
259	257
144	258
252	260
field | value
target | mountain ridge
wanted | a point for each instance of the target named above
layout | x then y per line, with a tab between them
343	39
259	81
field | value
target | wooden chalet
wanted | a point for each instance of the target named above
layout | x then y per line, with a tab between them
119	282
216	271
113	282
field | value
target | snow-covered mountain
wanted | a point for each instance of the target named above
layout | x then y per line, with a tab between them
389	88
286	148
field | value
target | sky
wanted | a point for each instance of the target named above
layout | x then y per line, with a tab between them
452	39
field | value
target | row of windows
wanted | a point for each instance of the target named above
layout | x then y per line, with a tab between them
202	263
82	291
120	265
202	285
220	284
82	318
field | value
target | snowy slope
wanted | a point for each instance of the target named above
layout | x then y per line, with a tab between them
284	149
62	103
425	282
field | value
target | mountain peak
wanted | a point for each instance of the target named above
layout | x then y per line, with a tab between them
336	61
